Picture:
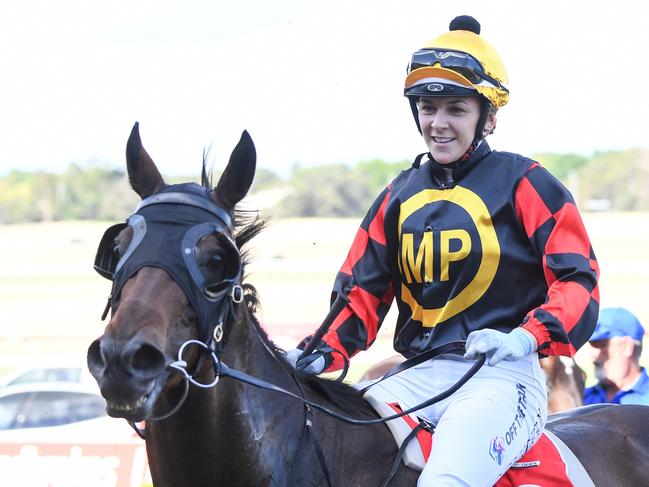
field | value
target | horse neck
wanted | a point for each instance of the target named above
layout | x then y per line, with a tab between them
233	432
249	350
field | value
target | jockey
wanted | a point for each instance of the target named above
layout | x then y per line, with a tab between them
474	245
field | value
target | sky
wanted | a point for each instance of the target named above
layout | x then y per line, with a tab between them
314	82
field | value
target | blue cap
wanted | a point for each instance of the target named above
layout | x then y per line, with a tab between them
617	322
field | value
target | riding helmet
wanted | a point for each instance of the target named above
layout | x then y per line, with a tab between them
458	63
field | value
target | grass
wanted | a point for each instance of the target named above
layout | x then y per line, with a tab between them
51	299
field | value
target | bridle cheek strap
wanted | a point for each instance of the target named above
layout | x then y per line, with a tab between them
217	337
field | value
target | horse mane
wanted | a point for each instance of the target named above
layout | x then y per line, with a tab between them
244	232
247	225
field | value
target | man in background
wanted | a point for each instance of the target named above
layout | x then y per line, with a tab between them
616	347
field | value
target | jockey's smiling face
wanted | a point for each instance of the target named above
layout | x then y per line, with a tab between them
448	125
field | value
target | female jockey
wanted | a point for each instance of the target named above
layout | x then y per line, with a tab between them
475	245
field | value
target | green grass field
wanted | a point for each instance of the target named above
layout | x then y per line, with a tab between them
51	299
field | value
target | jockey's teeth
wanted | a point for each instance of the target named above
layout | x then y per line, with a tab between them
128	407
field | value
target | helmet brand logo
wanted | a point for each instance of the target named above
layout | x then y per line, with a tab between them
435	87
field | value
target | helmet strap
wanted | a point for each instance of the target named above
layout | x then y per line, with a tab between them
485	107
415	111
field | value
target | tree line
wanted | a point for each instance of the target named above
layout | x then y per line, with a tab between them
613	180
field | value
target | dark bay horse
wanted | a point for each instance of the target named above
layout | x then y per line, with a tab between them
179	307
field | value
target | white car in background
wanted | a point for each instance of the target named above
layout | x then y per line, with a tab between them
57	434
42	404
51	371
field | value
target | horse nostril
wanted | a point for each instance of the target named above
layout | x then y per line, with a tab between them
147	359
95	359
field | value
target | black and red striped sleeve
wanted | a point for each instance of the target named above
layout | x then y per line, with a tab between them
567	318
365	279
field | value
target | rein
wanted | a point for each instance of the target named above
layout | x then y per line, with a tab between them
225	371
222	370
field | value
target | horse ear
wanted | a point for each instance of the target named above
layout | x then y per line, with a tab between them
239	173
143	174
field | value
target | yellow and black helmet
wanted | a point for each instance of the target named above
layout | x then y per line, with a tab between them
457	63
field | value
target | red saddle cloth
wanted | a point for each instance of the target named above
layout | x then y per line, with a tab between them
542	466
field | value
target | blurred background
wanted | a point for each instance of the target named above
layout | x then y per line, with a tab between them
319	87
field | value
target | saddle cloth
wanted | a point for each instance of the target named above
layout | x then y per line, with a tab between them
549	463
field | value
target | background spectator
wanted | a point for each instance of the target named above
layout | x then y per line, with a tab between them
616	347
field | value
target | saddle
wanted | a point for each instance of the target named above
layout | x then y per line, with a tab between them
549	463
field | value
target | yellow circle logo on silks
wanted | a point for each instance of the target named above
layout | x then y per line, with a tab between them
410	262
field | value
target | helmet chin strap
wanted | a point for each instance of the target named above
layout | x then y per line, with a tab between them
415	111
485	106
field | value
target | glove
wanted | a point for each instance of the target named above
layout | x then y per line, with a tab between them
499	346
314	363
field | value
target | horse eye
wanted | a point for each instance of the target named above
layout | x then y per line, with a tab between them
115	248
215	260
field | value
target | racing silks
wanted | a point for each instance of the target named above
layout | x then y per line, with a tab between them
495	242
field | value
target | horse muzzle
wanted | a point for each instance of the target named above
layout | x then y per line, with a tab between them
130	376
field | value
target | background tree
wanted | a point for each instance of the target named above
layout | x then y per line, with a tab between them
561	165
614	180
621	178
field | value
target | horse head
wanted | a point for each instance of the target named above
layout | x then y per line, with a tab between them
176	270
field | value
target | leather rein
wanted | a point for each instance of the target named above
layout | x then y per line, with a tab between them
223	370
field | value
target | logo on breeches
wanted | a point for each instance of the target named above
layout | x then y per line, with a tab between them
496	449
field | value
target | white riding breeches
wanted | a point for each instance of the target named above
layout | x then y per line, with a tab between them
484	427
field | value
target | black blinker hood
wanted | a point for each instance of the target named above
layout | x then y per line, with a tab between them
170	216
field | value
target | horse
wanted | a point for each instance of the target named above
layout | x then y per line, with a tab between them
566	383
565	380
181	309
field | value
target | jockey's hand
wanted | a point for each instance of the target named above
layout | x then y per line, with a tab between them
498	346
314	363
